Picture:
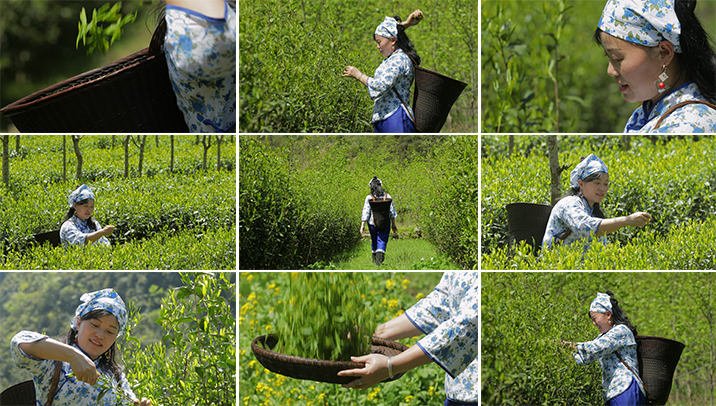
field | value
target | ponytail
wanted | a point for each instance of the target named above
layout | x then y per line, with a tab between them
697	57
404	43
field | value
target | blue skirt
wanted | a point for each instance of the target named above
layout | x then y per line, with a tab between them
399	122
450	402
630	397
379	238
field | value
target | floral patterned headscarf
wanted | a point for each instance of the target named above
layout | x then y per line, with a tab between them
644	22
81	193
105	299
589	165
388	28
601	304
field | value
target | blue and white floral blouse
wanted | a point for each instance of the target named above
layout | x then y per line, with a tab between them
448	317
397	72
571	213
616	377
367	214
70	392
692	118
74	231
201	55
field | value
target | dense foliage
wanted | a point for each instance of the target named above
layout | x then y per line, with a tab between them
180	220
260	296
672	179
542	71
525	315
293	53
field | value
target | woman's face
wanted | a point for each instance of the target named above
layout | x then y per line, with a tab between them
601	320
595	190
633	67
96	336
84	211
385	45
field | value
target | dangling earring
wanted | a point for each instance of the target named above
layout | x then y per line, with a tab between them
661	84
108	354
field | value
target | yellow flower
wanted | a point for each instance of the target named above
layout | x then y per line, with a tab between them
267	328
312	387
246	400
405	283
321	397
271	286
389	283
408	398
252	363
419	295
242	352
393	303
251	297
249	277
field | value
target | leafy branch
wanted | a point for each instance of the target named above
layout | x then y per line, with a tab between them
104	28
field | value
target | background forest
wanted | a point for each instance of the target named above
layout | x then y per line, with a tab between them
180	346
524	313
543	72
292	53
300	200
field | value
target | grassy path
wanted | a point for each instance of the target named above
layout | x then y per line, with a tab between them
401	254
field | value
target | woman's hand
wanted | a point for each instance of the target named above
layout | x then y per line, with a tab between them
639	219
375	371
567	344
107	230
362	228
413	19
353	72
143	402
84	368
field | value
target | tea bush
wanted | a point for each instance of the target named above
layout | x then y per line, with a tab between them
673	180
524	315
260	296
543	72
293	53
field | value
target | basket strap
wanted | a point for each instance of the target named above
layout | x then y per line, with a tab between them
635	374
157	42
679	105
55	382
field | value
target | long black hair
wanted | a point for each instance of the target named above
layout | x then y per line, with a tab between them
71	212
404	43
697	58
618	314
110	360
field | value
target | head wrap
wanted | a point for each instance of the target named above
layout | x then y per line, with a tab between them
601	304
589	165
645	22
105	299
375	178
388	28
81	193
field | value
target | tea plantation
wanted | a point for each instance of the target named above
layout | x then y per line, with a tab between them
672	179
183	218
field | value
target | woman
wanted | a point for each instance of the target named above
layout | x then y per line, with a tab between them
390	86
577	216
379	237
448	318
661	57
76	369
615	350
200	47
78	227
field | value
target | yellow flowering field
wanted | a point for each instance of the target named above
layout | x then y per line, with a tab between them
392	293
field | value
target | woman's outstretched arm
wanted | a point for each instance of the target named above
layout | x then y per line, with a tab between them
638	219
397	328
48	348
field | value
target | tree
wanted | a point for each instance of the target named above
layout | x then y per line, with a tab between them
5	160
171	161
76	144
126	155
554	169
219	140
141	152
17	144
64	158
206	148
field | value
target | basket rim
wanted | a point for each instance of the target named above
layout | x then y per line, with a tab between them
432	72
318	362
31	101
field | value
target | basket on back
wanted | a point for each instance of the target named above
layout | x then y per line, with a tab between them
21	394
434	96
528	222
657	361
381	212
133	94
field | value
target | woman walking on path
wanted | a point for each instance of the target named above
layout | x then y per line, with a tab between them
615	350
379	233
390	85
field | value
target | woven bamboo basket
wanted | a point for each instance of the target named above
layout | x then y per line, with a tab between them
527	222
131	95
316	369
657	361
434	96
21	394
381	213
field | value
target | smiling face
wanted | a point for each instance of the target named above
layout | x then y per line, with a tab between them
633	67
96	336
595	190
84	211
385	45
601	320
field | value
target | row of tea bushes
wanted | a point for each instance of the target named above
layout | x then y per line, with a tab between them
674	181
210	248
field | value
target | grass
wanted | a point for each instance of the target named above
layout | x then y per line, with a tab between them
401	254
